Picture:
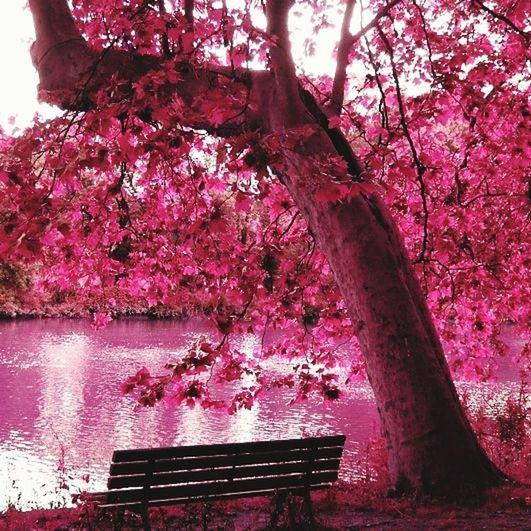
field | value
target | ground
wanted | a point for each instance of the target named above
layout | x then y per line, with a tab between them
345	507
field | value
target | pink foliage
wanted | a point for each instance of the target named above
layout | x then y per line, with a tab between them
100	320
121	200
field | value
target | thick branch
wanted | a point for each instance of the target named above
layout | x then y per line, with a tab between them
57	14
291	104
57	35
165	42
70	72
286	82
64	60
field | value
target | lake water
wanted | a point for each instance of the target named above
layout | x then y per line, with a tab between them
62	415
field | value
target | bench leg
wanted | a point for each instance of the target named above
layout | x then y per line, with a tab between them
280	498
145	518
309	508
292	512
205	516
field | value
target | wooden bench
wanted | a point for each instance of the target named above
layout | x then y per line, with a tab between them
149	477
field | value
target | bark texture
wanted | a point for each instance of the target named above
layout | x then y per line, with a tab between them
431	446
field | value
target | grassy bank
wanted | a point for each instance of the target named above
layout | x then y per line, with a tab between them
345	506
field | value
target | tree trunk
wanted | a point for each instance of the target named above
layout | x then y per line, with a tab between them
431	446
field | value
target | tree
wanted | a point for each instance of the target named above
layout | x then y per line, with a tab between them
151	180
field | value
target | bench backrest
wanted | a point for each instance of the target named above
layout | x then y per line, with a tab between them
170	475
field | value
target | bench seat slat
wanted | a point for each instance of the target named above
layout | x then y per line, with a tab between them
196	463
221	487
123	456
190	476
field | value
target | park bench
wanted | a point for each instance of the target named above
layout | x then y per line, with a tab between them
143	478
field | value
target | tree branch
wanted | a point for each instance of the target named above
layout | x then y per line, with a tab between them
189	12
340	77
57	14
374	22
271	102
345	44
165	42
503	18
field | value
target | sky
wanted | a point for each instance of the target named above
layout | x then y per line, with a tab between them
18	88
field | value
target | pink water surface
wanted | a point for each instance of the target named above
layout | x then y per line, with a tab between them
62	415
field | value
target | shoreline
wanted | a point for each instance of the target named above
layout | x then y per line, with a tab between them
147	315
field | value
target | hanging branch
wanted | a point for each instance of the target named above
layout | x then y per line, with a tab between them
421	169
424	26
345	44
382	106
374	22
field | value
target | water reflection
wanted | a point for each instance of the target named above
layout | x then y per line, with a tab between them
63	416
